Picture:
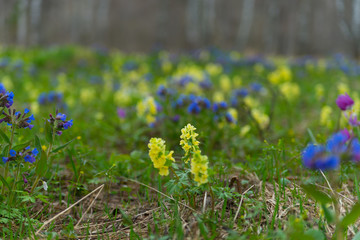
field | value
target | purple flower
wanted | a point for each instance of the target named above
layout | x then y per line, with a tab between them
344	102
121	113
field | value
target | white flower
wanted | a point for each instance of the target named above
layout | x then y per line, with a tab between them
45	186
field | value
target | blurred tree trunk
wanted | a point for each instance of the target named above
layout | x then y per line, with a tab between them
193	22
22	22
162	21
102	18
304	26
272	26
35	17
245	25
350	26
356	27
208	21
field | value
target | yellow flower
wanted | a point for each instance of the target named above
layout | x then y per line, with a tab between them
244	130
319	91
78	137
188	140
280	75
158	156
234	115
199	168
343	88
261	118
225	83
251	102
43	147
290	90
218	96
87	94
325	116
147	109
213	69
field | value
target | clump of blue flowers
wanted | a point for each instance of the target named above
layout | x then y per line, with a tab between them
26	154
339	147
51	97
6	98
17	119
60	122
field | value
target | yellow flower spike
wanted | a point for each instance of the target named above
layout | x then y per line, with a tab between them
225	83
244	130
343	88
290	90
188	140
43	147
199	168
261	118
158	156
319	91
325	116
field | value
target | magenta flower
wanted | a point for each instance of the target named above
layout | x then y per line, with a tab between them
121	112
344	102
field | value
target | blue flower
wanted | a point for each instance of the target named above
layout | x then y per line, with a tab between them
29	158
336	143
194	108
256	87
61	117
12	153
68	124
315	157
5	159
355	150
35	152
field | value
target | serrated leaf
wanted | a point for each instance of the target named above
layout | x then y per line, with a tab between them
313	192
4	136
352	216
22	146
41	166
62	146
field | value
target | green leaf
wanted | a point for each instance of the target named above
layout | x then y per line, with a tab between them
312	191
4	136
49	130
62	146
352	216
329	214
21	146
314	234
5	182
41	166
5	151
357	236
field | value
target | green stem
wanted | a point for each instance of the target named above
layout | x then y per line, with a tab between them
12	195
7	154
47	156
178	179
212	198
